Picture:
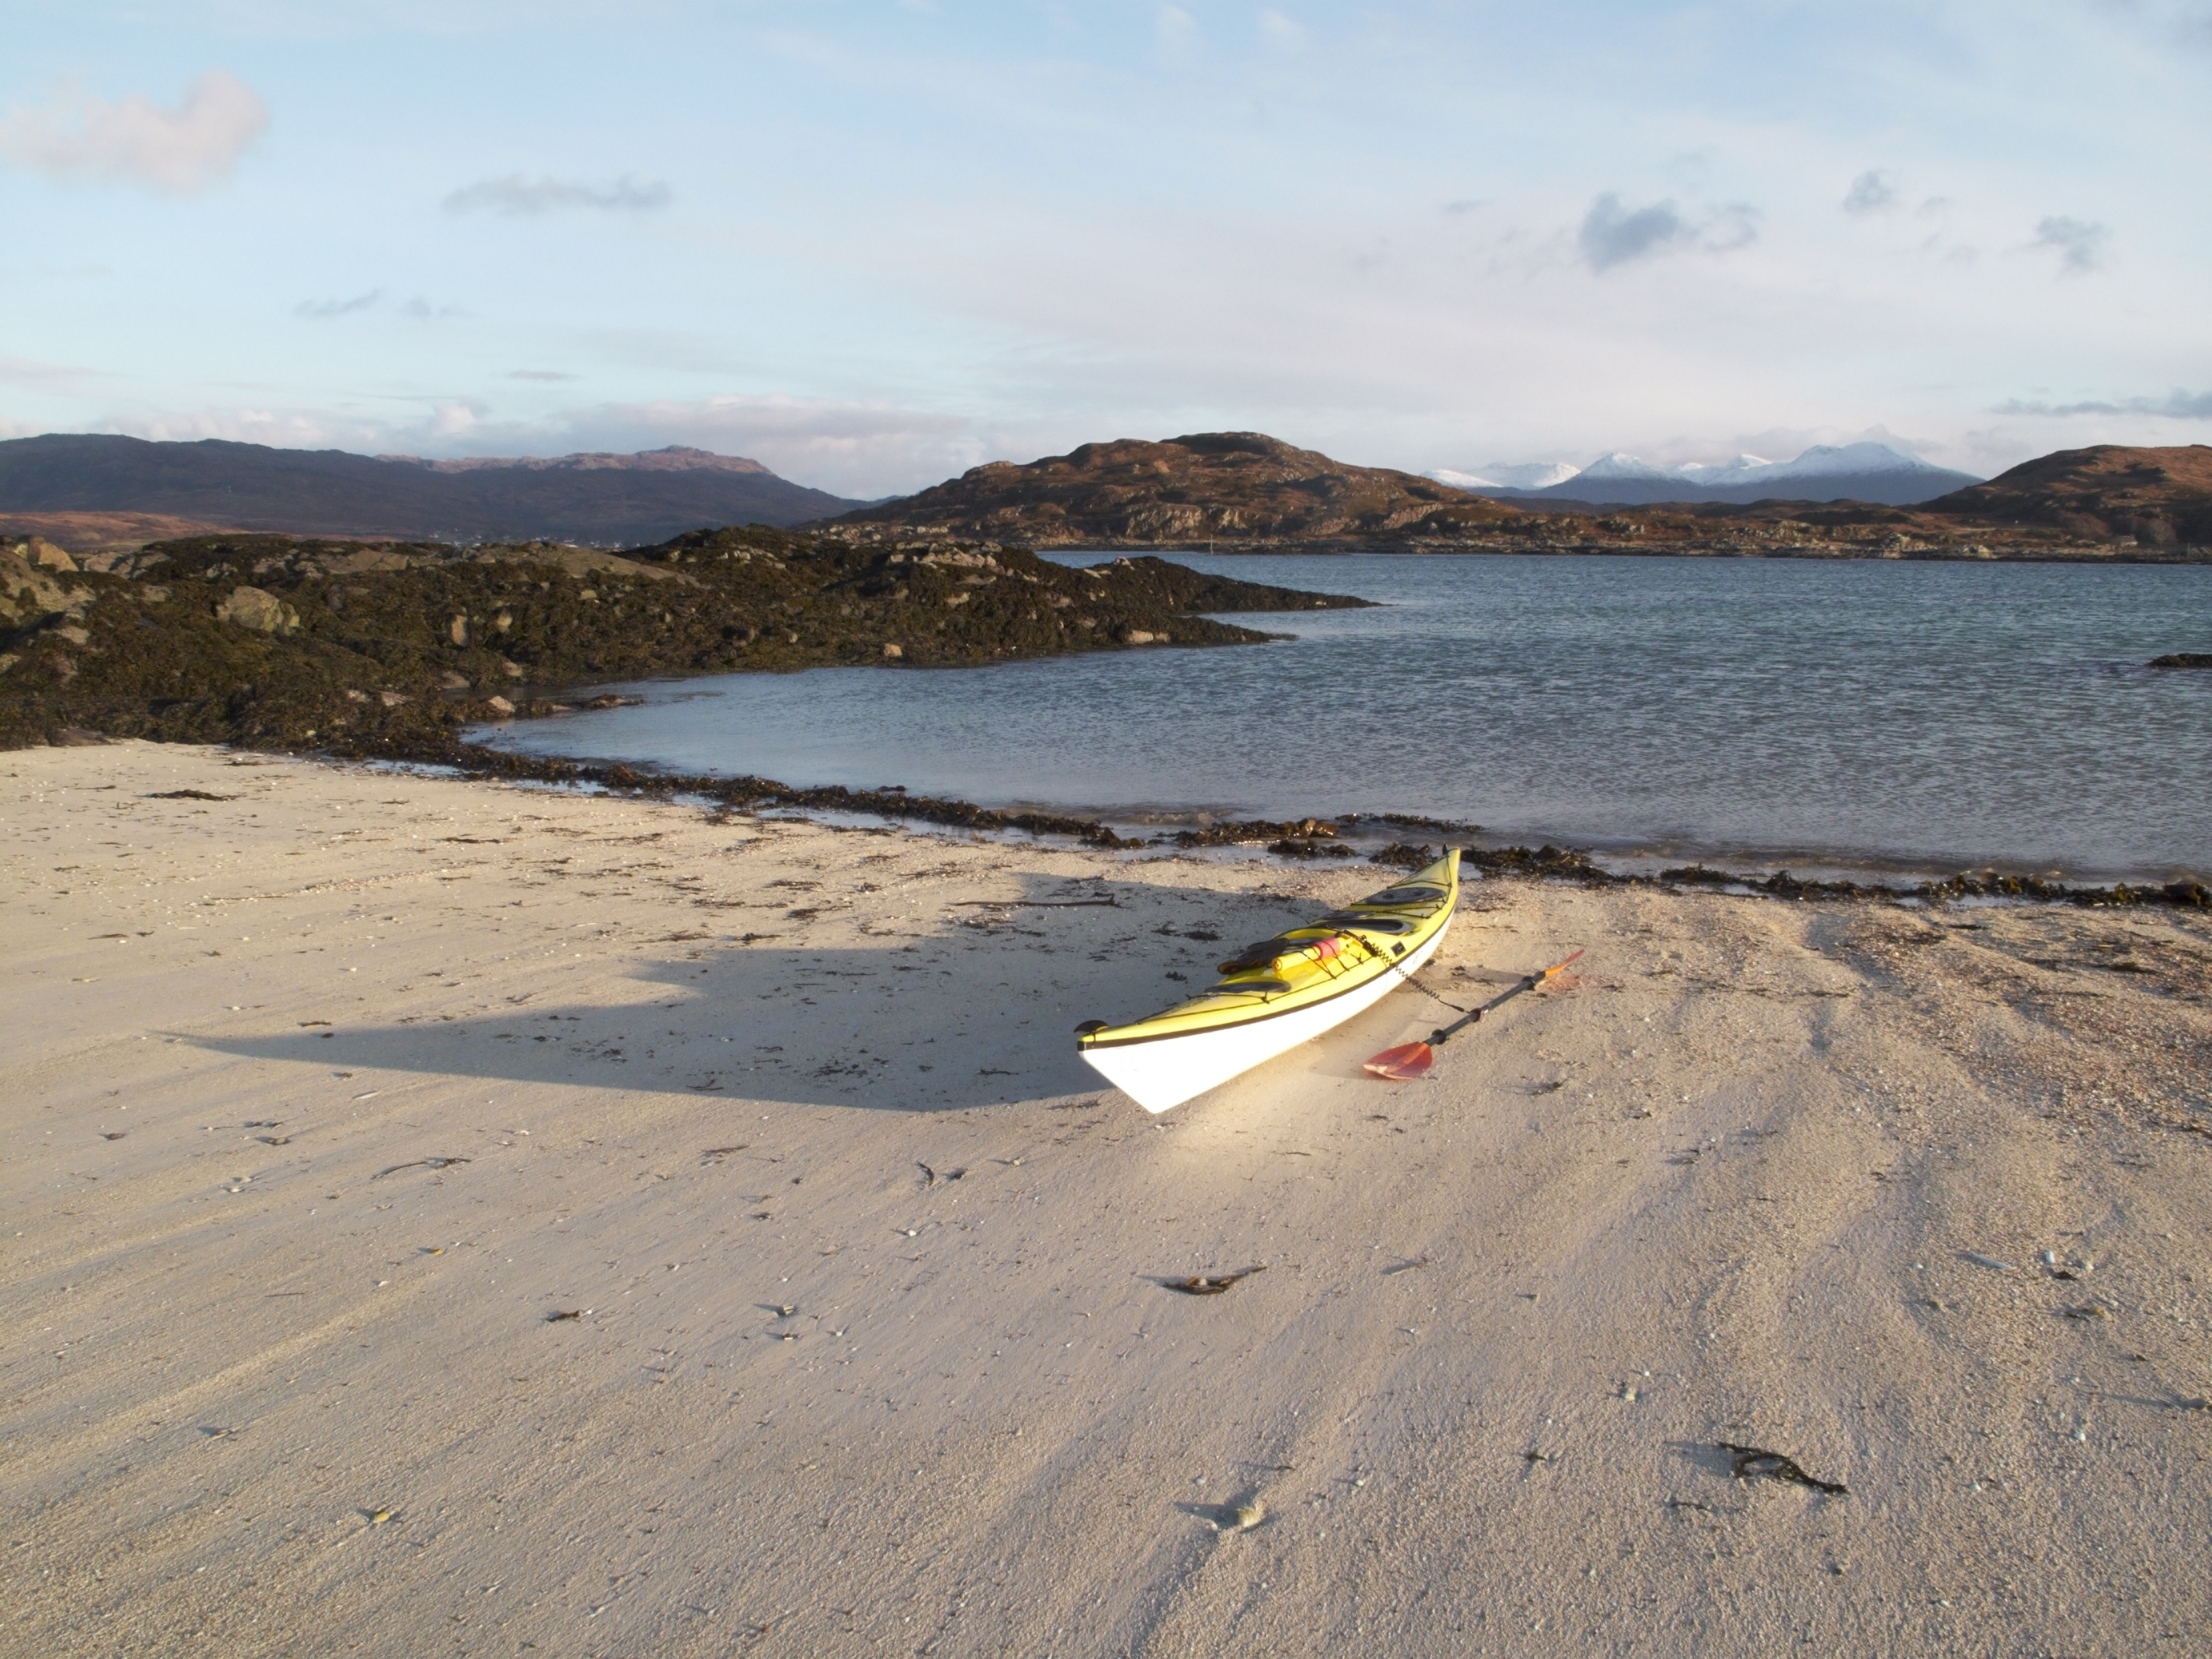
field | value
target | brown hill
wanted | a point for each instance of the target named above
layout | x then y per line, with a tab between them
2156	497
1239	486
85	533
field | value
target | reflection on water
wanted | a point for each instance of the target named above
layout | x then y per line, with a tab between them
1922	714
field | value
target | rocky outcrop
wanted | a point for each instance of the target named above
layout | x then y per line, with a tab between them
383	649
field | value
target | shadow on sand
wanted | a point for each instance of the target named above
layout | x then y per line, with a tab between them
979	1010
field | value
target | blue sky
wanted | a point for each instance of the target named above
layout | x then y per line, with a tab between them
873	243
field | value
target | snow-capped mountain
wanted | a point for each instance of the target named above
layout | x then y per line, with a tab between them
1866	471
1625	466
1741	468
1832	461
1507	475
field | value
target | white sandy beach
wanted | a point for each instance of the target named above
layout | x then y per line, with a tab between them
325	1096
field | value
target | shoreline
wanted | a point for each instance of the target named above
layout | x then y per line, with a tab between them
1337	548
1308	838
421	725
455	1215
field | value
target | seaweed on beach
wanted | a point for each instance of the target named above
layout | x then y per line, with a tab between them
1968	883
1547	862
1454	829
1405	856
1236	832
1209	1284
1755	1463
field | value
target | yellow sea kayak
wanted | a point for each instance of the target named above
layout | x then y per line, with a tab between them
1275	994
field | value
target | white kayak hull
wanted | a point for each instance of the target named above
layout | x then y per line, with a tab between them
1167	1070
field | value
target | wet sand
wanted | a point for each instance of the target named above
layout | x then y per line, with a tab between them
328	1096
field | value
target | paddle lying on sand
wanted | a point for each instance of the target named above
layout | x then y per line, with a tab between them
1410	1061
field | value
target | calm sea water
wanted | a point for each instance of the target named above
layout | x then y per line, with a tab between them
1916	716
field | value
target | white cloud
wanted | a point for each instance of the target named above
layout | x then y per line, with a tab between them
1872	191
319	311
1282	34
455	419
279	427
1612	234
2176	405
30	373
419	309
1176	33
517	198
2079	243
180	151
849	448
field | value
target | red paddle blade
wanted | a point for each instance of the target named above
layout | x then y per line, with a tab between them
1403	1064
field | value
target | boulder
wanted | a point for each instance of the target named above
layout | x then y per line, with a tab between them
43	553
255	608
27	592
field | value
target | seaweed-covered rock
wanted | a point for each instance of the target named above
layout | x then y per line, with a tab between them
389	647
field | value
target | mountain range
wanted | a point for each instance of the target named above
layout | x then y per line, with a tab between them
104	497
610	500
1864	471
1245	490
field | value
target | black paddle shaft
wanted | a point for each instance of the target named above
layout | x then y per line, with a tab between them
1528	982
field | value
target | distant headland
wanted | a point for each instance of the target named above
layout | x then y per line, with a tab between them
1246	492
